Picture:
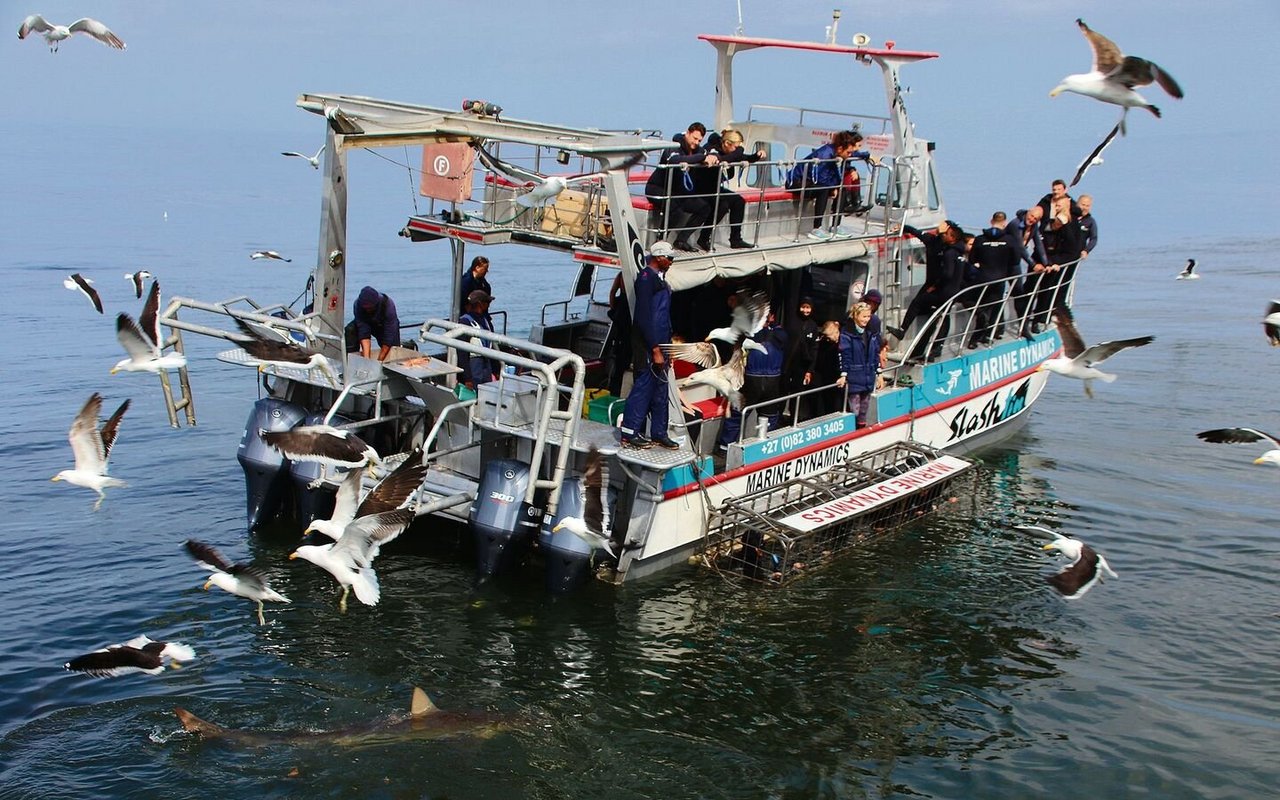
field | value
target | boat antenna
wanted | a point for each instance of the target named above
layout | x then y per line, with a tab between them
835	23
740	29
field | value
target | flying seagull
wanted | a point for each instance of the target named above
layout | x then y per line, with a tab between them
269	352
391	493
350	559
546	188
54	34
1114	75
727	377
136	655
326	444
270	254
1094	158
242	580
1271	323
1087	565
1078	361
92	448
78	282
1245	436
1188	272
314	161
142	340
593	526
138	278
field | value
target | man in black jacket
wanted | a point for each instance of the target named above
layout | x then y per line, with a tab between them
671	190
995	255
943	273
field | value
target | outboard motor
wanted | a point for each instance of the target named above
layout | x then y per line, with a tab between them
502	524
568	558
264	467
314	503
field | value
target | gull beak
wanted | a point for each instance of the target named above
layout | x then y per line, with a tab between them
174	665
1256	461
207	584
55	478
114	370
1048	546
293	555
1057	90
262	368
557	528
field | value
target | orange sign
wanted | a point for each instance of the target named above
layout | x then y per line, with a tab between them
446	172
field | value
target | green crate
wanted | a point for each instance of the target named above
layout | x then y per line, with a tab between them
606	408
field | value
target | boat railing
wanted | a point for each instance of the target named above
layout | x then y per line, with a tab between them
787	405
863	123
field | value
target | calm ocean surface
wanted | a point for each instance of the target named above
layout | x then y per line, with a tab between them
936	664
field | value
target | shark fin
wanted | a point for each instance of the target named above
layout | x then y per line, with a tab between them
421	705
194	724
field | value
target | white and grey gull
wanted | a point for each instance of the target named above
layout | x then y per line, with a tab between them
91	446
1080	362
142	340
54	34
139	654
242	580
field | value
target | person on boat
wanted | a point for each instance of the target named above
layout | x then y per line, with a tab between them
803	335
619	335
375	317
709	182
1025	227
874	299
944	271
477	370
474	280
995	255
819	176
1061	235
671	189
859	362
825	371
1088	226
651	326
1057	190
762	381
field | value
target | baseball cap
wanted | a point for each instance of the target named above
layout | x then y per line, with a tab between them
479	296
873	296
662	249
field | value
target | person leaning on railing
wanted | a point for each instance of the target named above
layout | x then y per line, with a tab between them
671	190
709	182
819	177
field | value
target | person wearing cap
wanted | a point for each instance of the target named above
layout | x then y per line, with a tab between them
473	279
477	369
375	318
651	327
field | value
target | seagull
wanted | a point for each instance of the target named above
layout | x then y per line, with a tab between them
242	580
136	655
314	161
54	34
593	527
78	282
142	340
1114	75
749	317
139	278
1087	565
1078	361
546	188
92	448
1188	272
326	444
1271	323
1095	158
1244	436
391	493
271	254
270	352
350	559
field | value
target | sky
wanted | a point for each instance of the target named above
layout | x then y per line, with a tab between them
238	66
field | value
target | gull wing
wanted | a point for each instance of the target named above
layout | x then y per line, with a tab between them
109	431
36	23
97	30
751	313
1097	151
1106	56
1134	71
578	180
86	442
208	557
364	536
150	319
593	489
131	338
264	349
1103	350
83	284
395	489
704	354
347	498
1237	436
1072	344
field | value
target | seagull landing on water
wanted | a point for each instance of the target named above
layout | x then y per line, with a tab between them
593	526
136	655
1271	323
142	341
138	279
546	188
314	161
92	448
268	254
1245	436
54	34
242	580
1189	271
1114	75
1078	361
83	285
1086	568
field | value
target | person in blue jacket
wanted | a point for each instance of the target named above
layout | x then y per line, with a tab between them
651	326
762	380
820	175
375	317
477	369
859	362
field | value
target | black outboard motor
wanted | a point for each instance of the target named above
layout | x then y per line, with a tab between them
502	524
264	467
567	556
314	503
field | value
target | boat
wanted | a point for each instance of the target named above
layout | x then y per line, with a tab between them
508	460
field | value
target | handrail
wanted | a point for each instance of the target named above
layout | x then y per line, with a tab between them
785	400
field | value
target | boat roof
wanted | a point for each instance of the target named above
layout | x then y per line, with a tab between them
888	51
369	122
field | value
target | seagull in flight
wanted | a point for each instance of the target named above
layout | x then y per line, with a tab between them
593	527
546	188
749	317
242	580
80	283
1245	436
268	254
1095	158
92	448
390	494
1271	323
138	278
136	655
142	340
1080	362
54	34
334	447
1114	76
1188	272
1086	568
277	352
314	161
350	559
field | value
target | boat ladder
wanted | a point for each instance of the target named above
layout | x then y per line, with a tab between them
184	401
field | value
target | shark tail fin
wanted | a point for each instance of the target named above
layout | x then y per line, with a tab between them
193	724
421	705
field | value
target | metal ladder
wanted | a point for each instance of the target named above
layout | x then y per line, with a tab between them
185	402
